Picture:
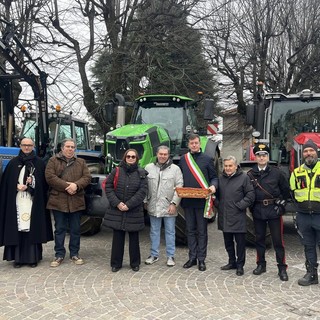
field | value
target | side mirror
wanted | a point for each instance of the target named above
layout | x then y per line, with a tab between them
208	109
250	114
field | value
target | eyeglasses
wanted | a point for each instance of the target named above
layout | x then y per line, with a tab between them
128	156
27	145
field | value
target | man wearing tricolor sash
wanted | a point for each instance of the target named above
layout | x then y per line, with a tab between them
198	172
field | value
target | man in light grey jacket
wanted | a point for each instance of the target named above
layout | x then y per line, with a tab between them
162	201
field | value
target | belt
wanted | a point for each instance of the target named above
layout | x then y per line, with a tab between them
266	202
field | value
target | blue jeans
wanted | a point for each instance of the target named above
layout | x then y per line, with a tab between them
170	235
64	222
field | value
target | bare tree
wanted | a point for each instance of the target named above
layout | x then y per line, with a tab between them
275	42
76	31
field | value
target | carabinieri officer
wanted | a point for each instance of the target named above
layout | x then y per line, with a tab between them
271	190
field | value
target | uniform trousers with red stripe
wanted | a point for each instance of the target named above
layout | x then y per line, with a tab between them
276	231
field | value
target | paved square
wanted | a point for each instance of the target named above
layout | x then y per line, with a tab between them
92	291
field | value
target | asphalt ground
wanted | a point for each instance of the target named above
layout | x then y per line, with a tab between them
92	291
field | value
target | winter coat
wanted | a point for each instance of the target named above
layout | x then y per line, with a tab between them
206	165
40	224
58	172
234	196
131	189
275	183
161	183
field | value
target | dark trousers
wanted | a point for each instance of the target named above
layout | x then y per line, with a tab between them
276	231
66	222
117	250
197	233
237	256
309	227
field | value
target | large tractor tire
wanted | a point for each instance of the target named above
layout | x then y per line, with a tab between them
250	236
181	234
96	204
90	226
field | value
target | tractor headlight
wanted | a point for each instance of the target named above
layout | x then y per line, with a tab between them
111	137
140	137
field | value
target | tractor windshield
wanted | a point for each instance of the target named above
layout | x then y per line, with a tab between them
168	117
58	131
29	129
288	119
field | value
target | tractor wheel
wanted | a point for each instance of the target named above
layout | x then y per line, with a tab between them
90	226
181	235
250	235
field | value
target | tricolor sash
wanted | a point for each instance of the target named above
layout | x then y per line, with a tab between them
198	175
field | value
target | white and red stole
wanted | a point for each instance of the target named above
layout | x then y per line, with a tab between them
24	203
198	175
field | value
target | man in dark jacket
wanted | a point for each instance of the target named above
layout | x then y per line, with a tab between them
67	176
198	172
234	196
272	190
24	221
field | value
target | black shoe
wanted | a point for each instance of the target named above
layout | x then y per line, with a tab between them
202	266
239	271
283	275
17	265
229	266
260	269
33	265
115	269
190	263
135	268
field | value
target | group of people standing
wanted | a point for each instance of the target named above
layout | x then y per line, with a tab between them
30	190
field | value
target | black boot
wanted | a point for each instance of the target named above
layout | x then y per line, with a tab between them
311	277
283	273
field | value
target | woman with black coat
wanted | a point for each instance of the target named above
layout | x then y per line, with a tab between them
126	188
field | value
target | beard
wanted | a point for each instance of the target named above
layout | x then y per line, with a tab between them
309	161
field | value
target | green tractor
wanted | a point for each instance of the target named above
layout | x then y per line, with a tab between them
161	120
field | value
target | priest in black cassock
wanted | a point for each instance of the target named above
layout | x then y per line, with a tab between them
25	223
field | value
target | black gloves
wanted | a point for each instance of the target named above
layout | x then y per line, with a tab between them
280	207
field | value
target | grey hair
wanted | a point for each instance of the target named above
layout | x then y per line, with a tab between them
232	158
163	147
63	142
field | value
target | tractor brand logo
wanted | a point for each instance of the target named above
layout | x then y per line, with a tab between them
123	146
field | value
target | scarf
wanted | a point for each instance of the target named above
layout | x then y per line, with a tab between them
26	160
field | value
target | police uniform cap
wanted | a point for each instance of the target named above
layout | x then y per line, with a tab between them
261	148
